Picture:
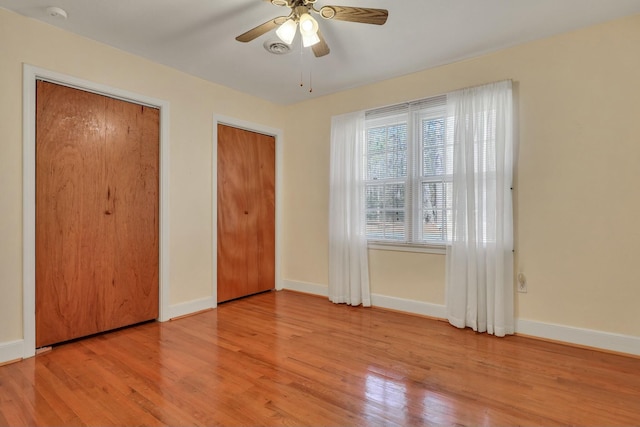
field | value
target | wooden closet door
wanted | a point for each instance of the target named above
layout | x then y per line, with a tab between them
246	213
133	225
96	213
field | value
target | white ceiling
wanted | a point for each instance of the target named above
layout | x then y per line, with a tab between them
198	36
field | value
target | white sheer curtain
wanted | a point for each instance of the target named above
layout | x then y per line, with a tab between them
479	290
348	259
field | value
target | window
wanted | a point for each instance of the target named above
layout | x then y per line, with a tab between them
409	174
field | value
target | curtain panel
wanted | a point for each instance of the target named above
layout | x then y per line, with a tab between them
348	256
479	290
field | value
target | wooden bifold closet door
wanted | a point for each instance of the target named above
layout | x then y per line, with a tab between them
96	213
246	213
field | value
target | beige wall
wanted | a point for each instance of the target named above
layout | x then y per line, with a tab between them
193	102
577	201
578	174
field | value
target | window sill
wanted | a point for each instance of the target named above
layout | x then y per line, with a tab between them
408	247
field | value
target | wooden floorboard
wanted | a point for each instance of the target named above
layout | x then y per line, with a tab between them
285	358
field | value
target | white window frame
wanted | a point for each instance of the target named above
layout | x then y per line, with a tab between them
413	181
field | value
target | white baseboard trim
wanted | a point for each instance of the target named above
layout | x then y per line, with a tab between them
583	337
307	288
189	307
409	306
11	350
561	333
382	301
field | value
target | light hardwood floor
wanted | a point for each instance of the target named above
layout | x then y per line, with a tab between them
284	358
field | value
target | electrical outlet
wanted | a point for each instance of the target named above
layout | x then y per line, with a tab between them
522	283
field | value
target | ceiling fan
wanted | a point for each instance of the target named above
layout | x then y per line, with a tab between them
301	15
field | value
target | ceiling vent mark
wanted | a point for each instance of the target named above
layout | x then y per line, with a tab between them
56	12
277	47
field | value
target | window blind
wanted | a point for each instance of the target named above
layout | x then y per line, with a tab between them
408	173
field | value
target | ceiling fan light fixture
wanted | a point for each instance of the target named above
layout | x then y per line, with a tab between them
287	31
308	25
310	39
300	16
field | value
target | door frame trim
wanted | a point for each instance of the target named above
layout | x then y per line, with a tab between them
30	75
279	139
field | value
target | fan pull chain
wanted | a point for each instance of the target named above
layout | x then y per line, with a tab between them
301	63
302	68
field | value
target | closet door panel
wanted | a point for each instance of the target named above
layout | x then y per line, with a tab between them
132	217
70	253
246	213
92	236
265	212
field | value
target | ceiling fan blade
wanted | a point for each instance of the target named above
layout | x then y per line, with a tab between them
321	48
261	29
364	15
